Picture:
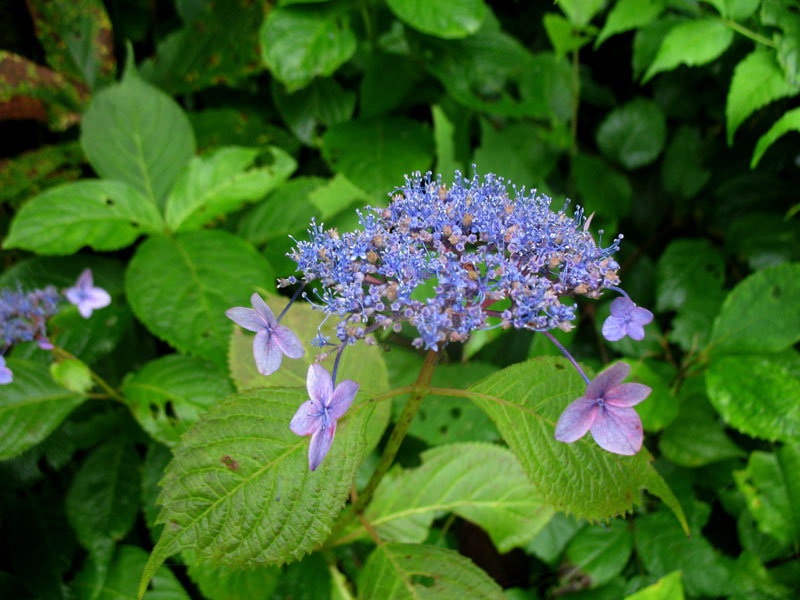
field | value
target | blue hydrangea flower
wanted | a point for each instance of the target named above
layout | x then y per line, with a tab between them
317	417
6	376
23	316
86	296
272	340
606	410
438	258
626	319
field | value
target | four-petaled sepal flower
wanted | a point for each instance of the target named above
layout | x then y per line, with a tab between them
317	417
6	376
626	319
605	409
272	340
86	296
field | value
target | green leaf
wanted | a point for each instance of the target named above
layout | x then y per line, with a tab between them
758	394
691	43
170	394
242	459
362	363
479	482
443	136
759	314
135	133
763	239
181	287
525	401
752	581
386	71
31	172
601	553
223	182
757	81
580	12
601	188
375	154
224	583
335	195
682	169
546	87
790	121
647	41
72	374
706	572
241	126
522	152
91	338
563	35
555	536
155	463
412	571
661	406
741	10
77	38
687	269
447	19
627	15
31	407
299	43
696	437
633	134
771	487
104	215
322	102
755	541
123	576
218	44
668	587
103	500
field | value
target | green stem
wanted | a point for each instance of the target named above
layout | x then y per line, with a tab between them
749	33
419	390
112	393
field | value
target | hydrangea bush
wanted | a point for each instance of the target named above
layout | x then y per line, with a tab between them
293	302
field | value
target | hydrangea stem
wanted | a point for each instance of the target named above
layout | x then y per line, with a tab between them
61	353
419	390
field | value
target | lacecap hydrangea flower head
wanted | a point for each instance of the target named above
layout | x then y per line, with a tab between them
451	260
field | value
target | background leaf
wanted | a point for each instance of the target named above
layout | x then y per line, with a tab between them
408	571
627	15
601	553
31	407
691	43
135	133
170	394
105	215
688	269
181	287
448	19
790	121
633	134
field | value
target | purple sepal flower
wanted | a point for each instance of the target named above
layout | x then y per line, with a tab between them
626	319
45	343
86	296
317	417
272	340
606	410
6	376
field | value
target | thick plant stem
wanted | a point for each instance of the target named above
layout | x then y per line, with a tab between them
419	390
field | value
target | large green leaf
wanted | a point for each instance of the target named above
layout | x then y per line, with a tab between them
103	500
135	133
122	579
479	482
238	491
225	583
414	571
692	43
91	338
448	19
759	314
362	363
375	154
170	394
757	394
31	407
757	81
180	288
790	121
299	43
601	553
104	215
668	587
771	487
525	401
76	37
629	14
688	268
323	102
222	182
633	135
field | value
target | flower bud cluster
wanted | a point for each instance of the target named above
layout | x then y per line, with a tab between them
452	260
